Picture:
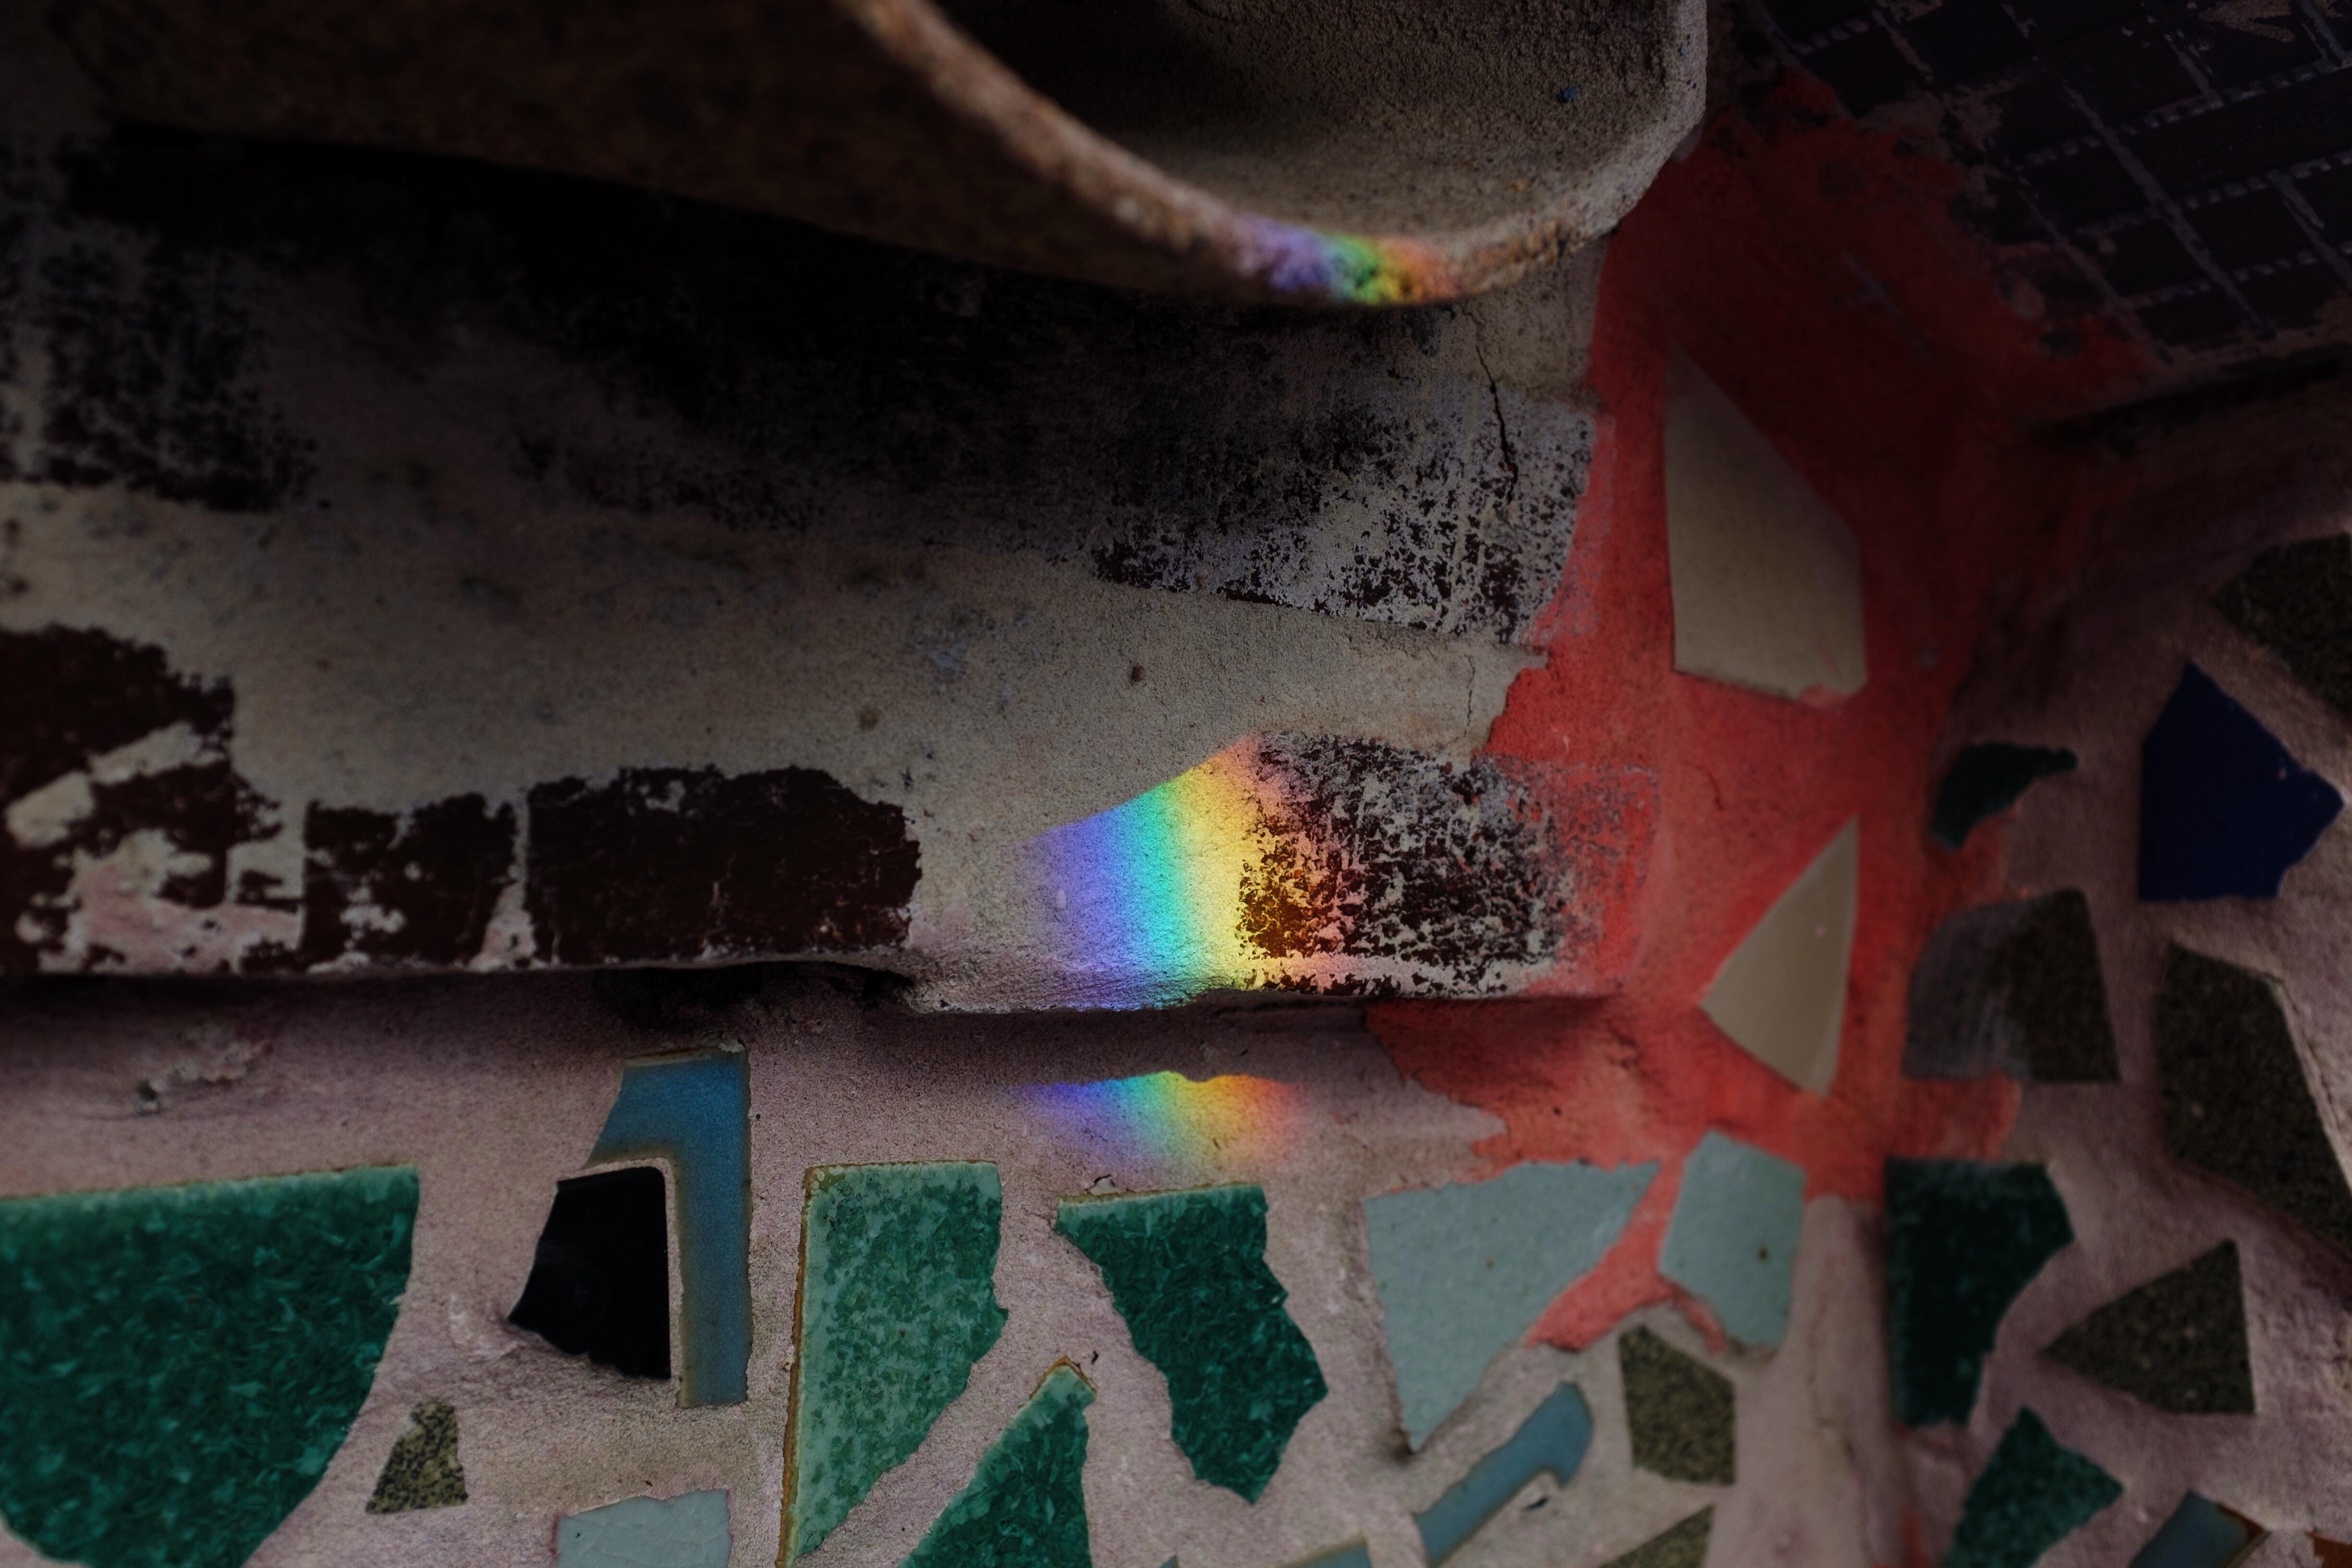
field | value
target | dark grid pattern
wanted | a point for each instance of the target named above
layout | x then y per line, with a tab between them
2195	161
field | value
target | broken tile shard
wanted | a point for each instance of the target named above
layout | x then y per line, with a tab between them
2200	1534
1767	577
2235	1102
2296	601
1733	1239
1465	1270
1781	994
2177	1342
1963	1240
2012	988
421	1471
1684	1546
897	1299
2224	810
2033	1493
1025	1507
178	1365
598	1281
1355	1554
687	1531
1987	779
1187	1271
1681	1413
1550	1442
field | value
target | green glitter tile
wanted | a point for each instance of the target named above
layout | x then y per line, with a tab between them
1681	1412
421	1471
177	1364
897	1299
1025	1507
1962	1240
2033	1495
1684	1546
2177	1342
1187	1270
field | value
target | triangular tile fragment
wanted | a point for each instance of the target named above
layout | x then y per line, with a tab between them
2235	1102
1781	994
2225	811
1987	779
688	1532
1963	1239
2200	1534
1355	1554
1550	1442
1684	1546
1187	1270
2331	1554
2296	601
2177	1342
897	1299
1025	1507
177	1364
2034	1494
1733	1240
421	1471
1465	1270
2012	988
1682	1413
1767	578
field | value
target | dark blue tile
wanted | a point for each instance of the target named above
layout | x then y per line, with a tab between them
2224	810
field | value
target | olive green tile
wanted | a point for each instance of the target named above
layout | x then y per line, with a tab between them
1684	1546
1682	1413
2177	1342
422	1472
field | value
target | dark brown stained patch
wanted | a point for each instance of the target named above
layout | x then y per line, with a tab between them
68	696
418	888
668	865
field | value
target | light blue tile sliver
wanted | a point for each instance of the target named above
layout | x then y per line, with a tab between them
1733	1239
688	1532
1550	1441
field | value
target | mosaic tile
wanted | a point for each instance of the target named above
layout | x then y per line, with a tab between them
1987	779
898	1300
694	1112
2200	1534
2224	810
1683	1414
1733	1239
1187	1270
2177	1342
687	1531
2012	988
1551	1441
1963	1239
178	1365
2235	1103
599	1284
2296	601
2331	1554
1465	1270
1025	1507
1684	1546
1355	1554
1781	994
421	1471
2033	1493
1767	577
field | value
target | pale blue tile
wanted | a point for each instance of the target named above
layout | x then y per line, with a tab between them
1733	1242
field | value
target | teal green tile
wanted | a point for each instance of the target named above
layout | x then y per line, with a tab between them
1026	1505
1963	1239
1550	1442
1681	1414
1684	1546
2034	1492
177	1364
423	1470
897	1299
1187	1270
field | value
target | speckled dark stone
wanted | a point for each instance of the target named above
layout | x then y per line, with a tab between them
2177	1342
1684	1546
1025	1507
2296	601
2235	1103
421	1471
1989	778
2033	1493
1681	1412
1963	1238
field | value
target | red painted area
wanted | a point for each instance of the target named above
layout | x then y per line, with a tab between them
1812	268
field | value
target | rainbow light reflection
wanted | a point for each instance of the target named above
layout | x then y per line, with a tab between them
1346	267
1170	1119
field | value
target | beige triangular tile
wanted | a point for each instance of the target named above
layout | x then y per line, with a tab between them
1781	994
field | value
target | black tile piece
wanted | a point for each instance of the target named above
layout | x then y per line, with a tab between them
2270	130
1866	69
1988	778
1800	19
1963	1239
2201	321
2235	1103
2296	601
2085	188
1963	40
2035	114
598	1283
2177	1342
2062	21
2244	230
2144	258
2329	192
2294	298
2012	988
2131	77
